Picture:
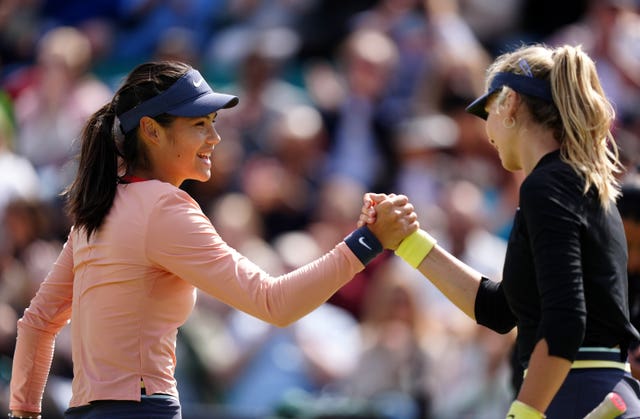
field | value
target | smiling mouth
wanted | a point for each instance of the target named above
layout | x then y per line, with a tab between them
205	156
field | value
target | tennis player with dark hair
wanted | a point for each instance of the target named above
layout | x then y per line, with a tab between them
564	283
140	247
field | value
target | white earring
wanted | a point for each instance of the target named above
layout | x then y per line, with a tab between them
509	122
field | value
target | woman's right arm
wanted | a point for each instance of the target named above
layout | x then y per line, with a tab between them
478	297
183	241
456	280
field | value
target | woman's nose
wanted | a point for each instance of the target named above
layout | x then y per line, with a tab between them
213	137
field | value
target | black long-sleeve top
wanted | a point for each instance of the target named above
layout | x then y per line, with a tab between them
565	272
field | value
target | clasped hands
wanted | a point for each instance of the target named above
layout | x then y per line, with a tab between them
390	218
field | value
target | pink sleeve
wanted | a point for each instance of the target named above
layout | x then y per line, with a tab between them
183	241
49	311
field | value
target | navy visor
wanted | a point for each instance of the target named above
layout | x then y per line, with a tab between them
189	96
530	86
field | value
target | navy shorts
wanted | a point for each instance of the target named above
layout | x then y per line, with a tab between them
585	388
155	406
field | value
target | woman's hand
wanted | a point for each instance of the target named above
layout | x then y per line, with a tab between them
390	218
368	211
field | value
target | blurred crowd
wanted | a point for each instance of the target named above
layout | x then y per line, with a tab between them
337	98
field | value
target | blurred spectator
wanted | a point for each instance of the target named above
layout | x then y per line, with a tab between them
457	59
76	13
268	362
28	250
360	136
332	219
496	23
541	18
284	183
425	162
326	24
394	369
467	236
95	19
178	44
408	26
628	142
19	30
473	373
265	94
18	178
608	31
142	23
271	362
51	108
269	26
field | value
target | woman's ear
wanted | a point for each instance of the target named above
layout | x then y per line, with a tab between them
511	103
149	130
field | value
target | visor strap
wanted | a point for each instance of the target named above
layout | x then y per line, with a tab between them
523	84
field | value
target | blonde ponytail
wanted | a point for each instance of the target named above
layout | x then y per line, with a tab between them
587	143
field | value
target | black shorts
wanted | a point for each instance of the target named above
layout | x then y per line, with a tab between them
156	406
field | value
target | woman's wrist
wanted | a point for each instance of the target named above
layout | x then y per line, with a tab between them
415	247
364	244
519	410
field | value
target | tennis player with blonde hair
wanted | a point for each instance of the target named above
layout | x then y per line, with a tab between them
565	275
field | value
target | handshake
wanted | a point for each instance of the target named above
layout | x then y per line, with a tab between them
393	221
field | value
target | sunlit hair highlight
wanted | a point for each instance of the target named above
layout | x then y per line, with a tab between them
581	117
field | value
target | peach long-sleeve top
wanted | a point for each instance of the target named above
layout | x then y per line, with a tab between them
128	289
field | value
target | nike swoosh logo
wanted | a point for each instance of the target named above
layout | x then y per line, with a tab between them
198	83
362	242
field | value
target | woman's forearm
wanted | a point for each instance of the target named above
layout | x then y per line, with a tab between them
456	280
543	378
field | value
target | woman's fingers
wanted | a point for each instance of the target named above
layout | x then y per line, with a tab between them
395	218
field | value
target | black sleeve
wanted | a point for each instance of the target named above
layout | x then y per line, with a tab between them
552	211
491	308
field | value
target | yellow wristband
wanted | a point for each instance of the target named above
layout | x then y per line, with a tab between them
520	410
415	247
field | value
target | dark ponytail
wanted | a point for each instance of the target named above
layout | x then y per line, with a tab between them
91	194
106	153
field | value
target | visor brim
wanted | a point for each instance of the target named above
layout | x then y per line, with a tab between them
205	105
478	106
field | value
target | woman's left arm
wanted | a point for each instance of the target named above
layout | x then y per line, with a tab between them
543	378
49	311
